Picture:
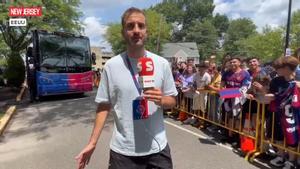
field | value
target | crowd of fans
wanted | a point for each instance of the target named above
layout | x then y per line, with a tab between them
275	84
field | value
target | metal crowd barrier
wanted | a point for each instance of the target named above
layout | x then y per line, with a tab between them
265	141
225	121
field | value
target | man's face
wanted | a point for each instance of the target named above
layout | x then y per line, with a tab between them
135	31
202	70
235	64
189	69
253	64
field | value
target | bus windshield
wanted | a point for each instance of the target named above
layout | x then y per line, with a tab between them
64	54
77	52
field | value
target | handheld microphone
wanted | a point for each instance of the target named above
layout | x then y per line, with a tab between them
146	73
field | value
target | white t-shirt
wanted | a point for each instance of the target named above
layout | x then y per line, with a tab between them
134	137
202	81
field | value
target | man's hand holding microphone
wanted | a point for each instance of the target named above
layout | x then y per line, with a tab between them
147	83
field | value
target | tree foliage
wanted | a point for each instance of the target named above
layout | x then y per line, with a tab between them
205	35
57	15
171	11
238	30
221	23
197	10
158	33
295	30
4	50
115	38
267	45
182	13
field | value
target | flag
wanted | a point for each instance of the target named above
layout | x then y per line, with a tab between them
230	93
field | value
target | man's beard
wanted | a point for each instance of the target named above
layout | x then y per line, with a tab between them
139	44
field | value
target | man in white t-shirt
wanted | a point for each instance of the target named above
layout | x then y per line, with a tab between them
201	80
138	142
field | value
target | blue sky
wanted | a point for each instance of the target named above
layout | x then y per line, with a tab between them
98	13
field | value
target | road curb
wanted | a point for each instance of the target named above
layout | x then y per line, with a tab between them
11	110
6	118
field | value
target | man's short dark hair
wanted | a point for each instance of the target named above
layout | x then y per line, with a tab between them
236	57
253	57
130	11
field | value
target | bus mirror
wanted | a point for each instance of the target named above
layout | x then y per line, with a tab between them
93	58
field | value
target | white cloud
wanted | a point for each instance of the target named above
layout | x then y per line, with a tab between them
262	12
109	11
94	7
236	16
95	30
104	3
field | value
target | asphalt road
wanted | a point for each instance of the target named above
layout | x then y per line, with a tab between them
49	134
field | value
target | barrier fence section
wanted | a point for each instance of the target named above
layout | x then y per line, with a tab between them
272	131
260	127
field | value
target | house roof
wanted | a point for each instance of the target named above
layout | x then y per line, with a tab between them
171	49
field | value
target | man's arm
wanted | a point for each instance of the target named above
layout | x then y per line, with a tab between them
101	115
168	102
84	156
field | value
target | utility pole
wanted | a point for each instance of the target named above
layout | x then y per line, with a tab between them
287	36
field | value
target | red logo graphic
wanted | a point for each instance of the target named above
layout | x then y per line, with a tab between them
145	67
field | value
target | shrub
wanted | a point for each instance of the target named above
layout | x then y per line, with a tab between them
15	71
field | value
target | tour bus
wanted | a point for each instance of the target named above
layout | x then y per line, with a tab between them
58	63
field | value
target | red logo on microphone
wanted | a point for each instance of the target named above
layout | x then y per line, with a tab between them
145	67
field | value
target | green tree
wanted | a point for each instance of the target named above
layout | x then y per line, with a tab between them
205	35
4	50
158	33
57	16
221	22
267	45
197	10
238	30
295	30
114	37
182	14
171	11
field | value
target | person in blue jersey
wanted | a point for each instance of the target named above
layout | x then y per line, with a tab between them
139	139
235	77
